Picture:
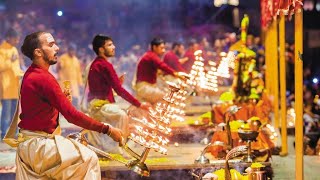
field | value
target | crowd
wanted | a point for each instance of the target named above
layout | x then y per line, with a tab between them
125	60
63	55
129	48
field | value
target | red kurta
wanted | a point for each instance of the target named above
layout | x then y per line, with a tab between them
188	64
102	79
148	65
172	60
41	101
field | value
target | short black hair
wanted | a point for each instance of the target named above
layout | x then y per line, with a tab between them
30	43
12	33
175	44
156	42
72	47
98	41
192	42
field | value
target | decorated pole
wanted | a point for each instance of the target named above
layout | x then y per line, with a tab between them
282	41
267	61
270	9
298	68
273	69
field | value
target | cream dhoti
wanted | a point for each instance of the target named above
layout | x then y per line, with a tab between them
149	92
51	156
113	115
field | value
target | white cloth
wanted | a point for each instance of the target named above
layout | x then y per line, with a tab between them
149	92
113	115
46	156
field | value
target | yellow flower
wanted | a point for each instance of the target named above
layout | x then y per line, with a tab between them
97	103
245	126
235	175
254	118
157	161
226	96
257	165
235	125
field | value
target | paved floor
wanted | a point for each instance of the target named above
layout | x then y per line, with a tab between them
284	167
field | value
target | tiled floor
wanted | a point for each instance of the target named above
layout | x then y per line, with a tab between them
284	167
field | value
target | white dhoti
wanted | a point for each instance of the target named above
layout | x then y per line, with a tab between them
113	115
149	92
47	156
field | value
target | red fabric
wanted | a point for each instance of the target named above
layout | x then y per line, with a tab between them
172	60
270	9
288	7
267	12
102	79
41	101
148	65
296	5
284	6
191	58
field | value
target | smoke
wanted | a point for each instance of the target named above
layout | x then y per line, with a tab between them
177	174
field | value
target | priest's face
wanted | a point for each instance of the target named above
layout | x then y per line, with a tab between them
180	50
49	48
109	49
159	49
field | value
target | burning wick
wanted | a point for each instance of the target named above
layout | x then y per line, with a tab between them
176	144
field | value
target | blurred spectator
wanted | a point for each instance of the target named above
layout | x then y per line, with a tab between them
250	42
207	51
69	69
10	73
229	41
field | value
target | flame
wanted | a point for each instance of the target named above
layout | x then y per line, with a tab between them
150	134
197	53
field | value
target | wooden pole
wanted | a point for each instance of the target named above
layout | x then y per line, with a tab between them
282	42
274	81
298	68
267	60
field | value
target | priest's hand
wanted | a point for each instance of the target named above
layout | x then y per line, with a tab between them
182	75
122	78
183	60
145	105
116	135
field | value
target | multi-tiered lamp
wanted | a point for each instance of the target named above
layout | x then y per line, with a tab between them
152	133
201	80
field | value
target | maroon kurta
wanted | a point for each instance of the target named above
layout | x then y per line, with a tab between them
188	64
172	60
41	101
102	79
148	65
